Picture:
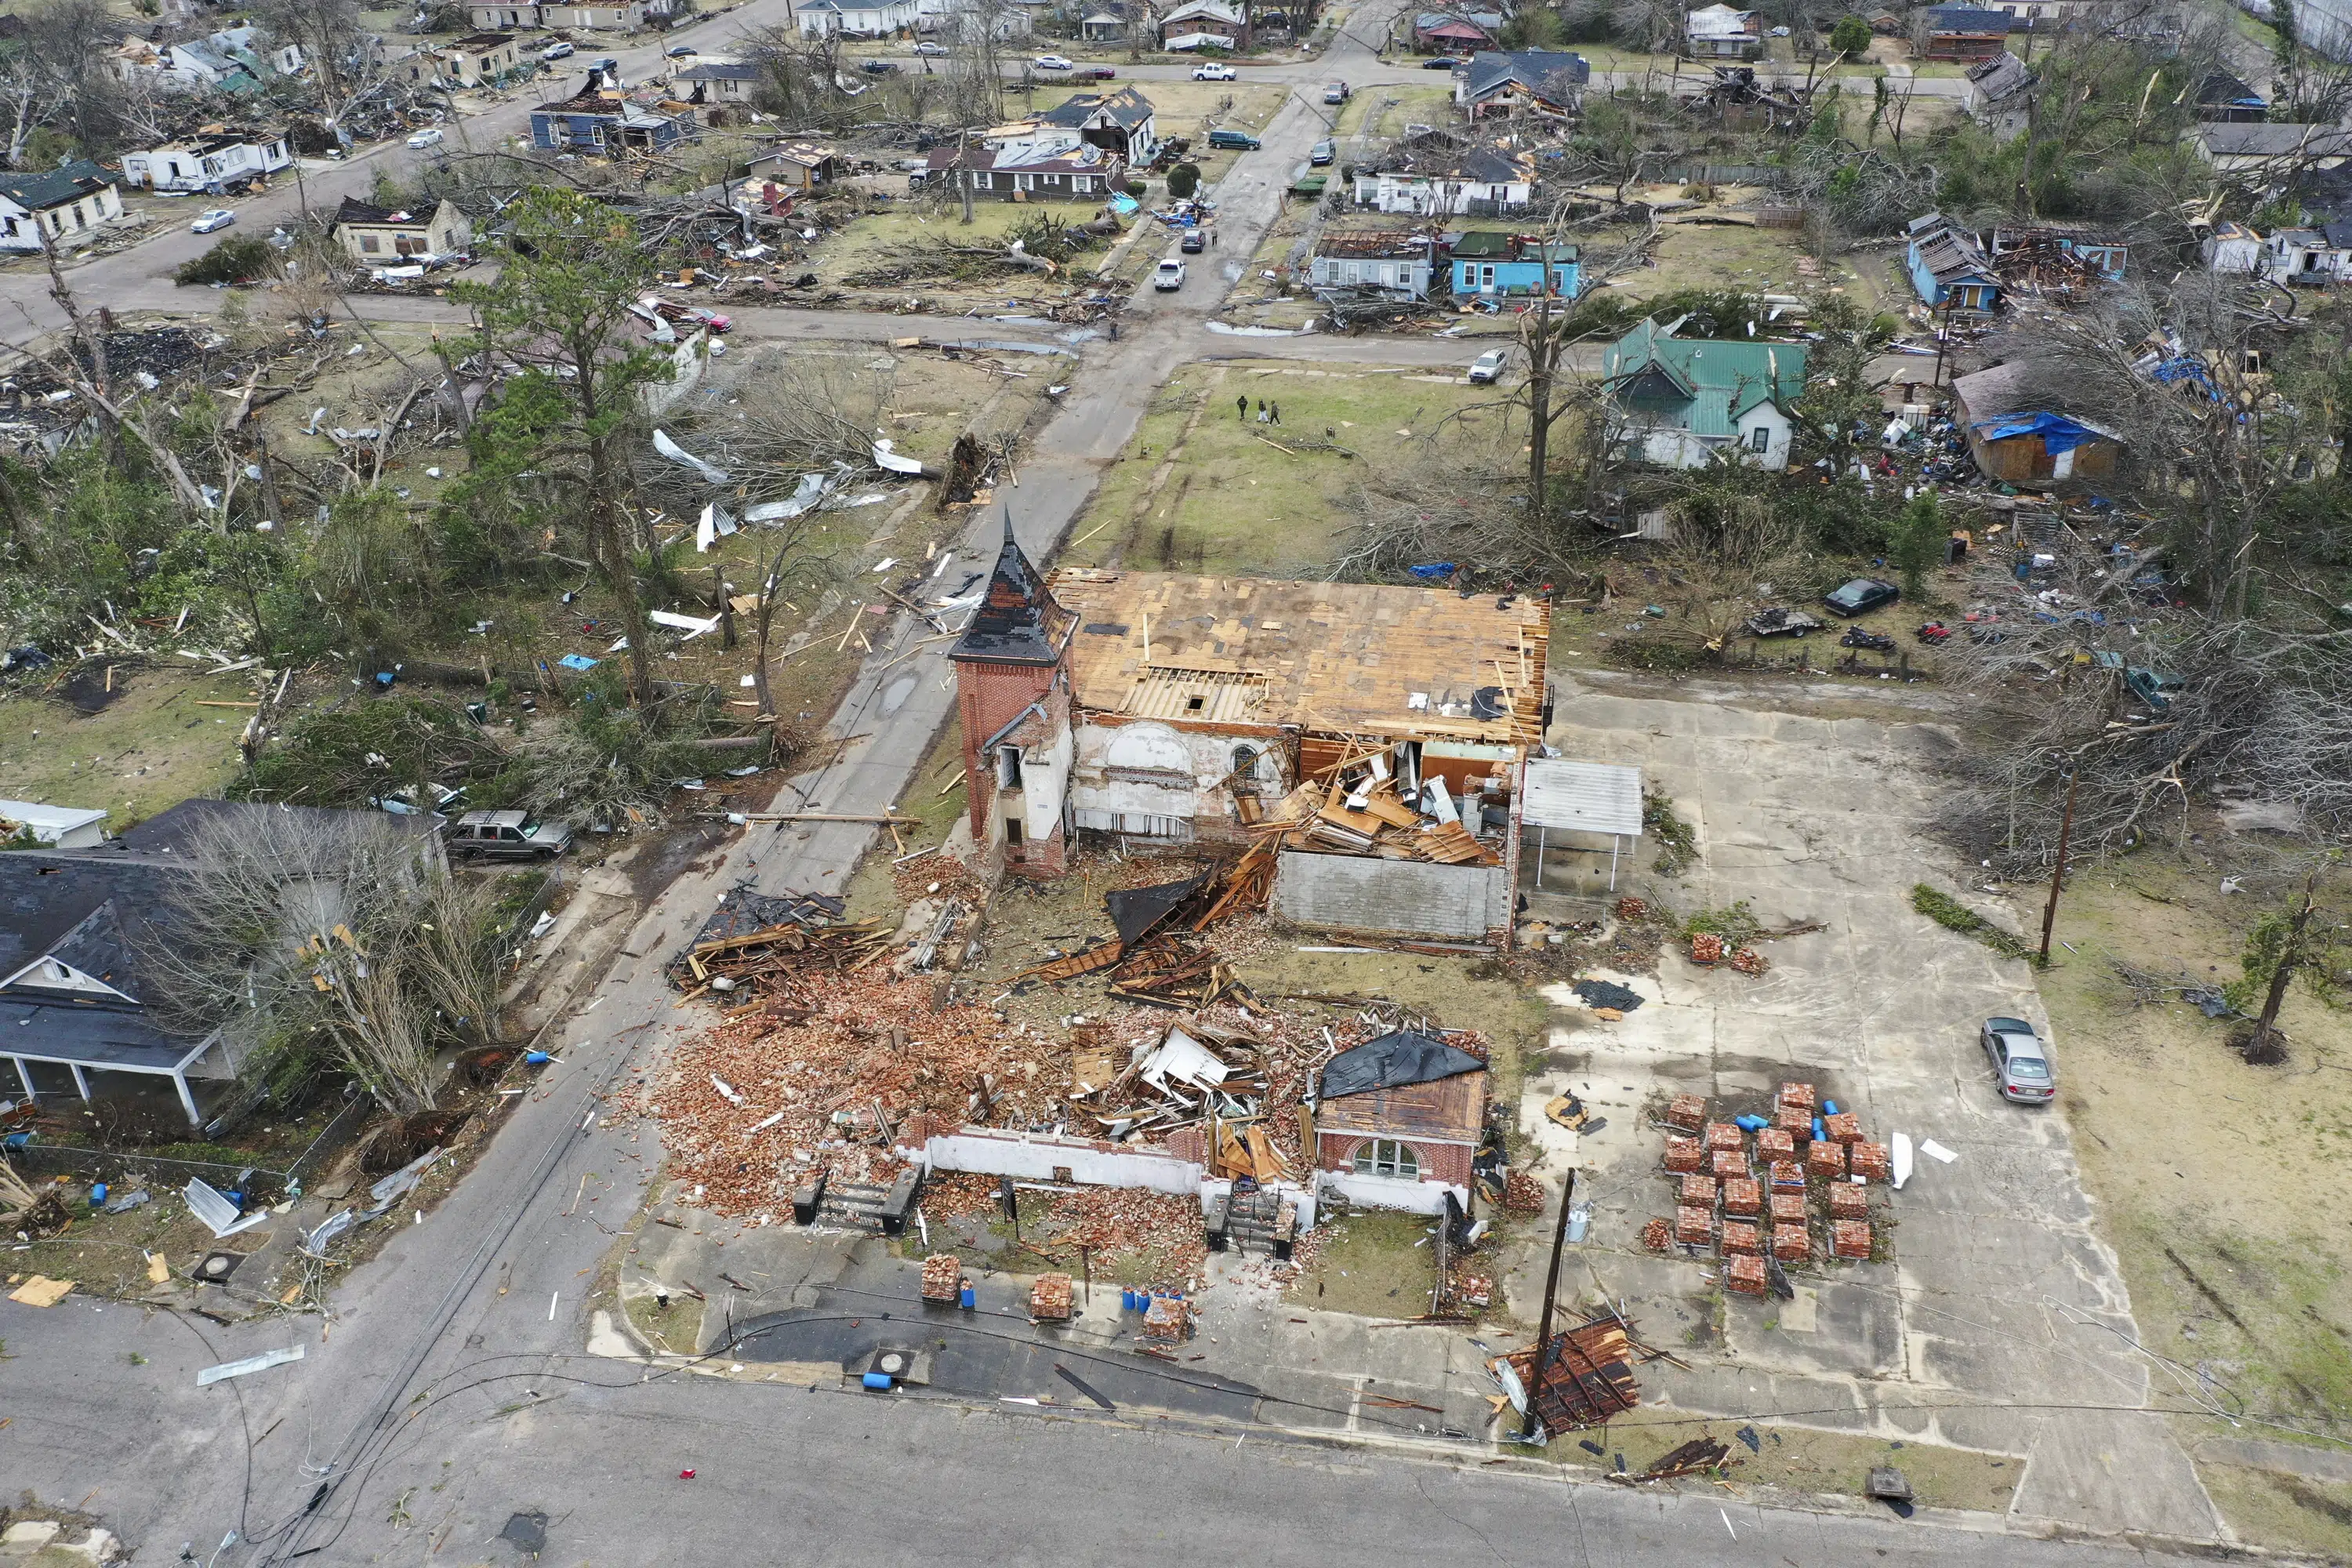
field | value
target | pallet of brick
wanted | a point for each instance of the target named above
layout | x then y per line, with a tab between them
1049	1299
944	1278
1687	1111
1698	1192
1870	1161
1848	1201
1746	1275
1846	1127
1787	1176
1743	1196
1776	1144
1790	1244
1694	1227
1724	1135
1683	1155
1789	1208
1798	1096
1166	1322
1850	1237
1741	1236
1726	1164
1794	1120
1826	1158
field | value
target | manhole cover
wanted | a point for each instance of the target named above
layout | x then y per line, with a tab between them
218	1266
525	1532
894	1363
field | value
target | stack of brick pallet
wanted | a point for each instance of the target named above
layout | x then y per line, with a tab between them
1049	1299
944	1278
1748	1197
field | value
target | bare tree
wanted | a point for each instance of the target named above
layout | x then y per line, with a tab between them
346	62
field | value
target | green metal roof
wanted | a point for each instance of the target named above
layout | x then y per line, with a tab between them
1726	376
36	191
1486	244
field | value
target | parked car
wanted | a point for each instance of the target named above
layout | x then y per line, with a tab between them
1194	242
1442	63
1779	32
1337	92
562	49
509	836
1053	63
1170	277
929	48
1323	151
212	218
429	137
1861	597
1213	71
2021	1061
682	51
1100	73
1233	141
1489	366
879	68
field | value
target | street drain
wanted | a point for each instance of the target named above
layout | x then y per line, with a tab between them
525	1532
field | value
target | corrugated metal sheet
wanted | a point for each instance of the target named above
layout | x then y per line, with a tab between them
1584	797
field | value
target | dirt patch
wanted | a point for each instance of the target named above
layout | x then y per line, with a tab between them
2284	1512
1801	1459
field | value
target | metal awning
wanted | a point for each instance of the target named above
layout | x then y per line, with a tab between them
1583	797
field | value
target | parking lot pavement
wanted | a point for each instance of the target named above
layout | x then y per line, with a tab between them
2003	1321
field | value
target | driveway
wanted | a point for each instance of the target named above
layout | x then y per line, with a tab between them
2002	1323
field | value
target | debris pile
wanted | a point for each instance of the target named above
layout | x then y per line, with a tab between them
1816	1170
763	946
1586	1378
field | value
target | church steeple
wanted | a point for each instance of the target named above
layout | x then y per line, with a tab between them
1019	620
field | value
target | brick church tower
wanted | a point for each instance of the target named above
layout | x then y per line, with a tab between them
1013	687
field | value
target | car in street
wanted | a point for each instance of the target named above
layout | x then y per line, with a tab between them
507	836
429	137
1194	242
1170	277
879	68
1323	151
1053	63
1861	597
1489	366
1099	73
1442	63
1213	71
1233	141
681	51
1336	92
213	218
2021	1061
929	48
562	49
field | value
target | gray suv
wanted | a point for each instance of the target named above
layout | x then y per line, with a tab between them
2021	1061
509	836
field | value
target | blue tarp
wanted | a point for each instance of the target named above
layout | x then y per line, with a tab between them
1433	571
2058	433
576	661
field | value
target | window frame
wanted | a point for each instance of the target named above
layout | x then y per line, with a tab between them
1389	1158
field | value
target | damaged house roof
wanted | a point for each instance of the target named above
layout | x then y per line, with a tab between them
1352	657
1403	1082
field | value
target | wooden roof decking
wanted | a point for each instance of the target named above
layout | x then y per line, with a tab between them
1350	659
1454	1108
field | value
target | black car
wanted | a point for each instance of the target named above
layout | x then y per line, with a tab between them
1442	63
879	68
1861	597
1193	243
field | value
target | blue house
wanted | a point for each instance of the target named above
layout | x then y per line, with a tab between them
606	123
1948	269
1493	264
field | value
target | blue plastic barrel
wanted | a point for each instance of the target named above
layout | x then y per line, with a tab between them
97	1195
877	1381
1829	1107
535	1058
968	1300
1819	1131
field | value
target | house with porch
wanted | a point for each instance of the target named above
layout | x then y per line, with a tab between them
1205	24
1684	403
70	204
718	83
1027	161
213	162
1495	264
854	18
2309	257
1963	33
1455	33
1437	181
1394	263
1724	33
383	236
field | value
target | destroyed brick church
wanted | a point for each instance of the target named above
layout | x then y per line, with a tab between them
1383	725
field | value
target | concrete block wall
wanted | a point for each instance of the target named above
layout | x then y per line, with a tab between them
1351	892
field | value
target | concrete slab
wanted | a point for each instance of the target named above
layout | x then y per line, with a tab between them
2001	1321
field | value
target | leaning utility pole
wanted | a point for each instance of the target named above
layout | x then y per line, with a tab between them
1551	1294
2058	872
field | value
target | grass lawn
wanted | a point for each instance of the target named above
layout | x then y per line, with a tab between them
1375	1264
1199	491
1380	114
1800	1459
150	745
1721	256
2206	1169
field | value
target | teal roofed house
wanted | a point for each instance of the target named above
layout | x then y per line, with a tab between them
1683	403
1492	265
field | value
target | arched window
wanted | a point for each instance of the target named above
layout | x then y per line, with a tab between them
1387	1157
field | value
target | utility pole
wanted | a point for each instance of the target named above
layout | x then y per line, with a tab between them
1551	1294
2058	872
